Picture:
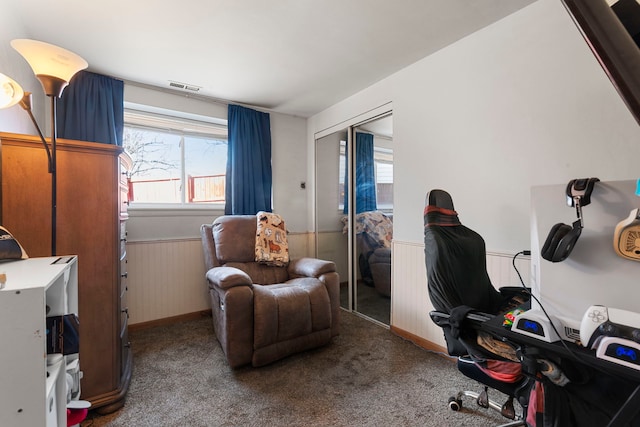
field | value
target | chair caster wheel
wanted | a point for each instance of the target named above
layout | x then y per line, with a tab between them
455	404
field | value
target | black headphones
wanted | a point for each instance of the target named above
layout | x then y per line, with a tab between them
562	237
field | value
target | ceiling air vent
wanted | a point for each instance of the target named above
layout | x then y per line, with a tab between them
184	86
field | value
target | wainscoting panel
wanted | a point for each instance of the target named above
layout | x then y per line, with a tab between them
410	304
501	271
167	278
410	298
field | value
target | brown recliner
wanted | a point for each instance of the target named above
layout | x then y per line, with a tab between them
262	313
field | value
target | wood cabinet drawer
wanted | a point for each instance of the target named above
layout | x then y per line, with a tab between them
124	172
124	321
123	240
124	203
124	287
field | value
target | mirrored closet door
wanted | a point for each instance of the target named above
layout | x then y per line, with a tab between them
332	238
354	213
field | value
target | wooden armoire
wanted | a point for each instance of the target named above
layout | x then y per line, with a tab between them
91	214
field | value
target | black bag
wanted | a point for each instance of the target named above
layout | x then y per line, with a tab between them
63	334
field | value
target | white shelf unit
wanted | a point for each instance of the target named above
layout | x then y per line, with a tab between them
33	384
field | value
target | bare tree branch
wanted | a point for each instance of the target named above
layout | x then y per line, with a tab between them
147	155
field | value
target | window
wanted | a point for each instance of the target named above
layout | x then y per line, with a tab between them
383	159
175	161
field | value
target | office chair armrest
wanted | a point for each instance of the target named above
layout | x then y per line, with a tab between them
439	318
228	277
459	328
475	317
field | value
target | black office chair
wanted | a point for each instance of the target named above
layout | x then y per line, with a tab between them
463	297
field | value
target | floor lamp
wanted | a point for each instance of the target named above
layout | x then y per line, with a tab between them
54	67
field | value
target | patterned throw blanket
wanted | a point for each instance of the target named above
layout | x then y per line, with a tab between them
271	240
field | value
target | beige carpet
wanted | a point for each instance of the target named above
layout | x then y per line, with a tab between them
370	302
366	377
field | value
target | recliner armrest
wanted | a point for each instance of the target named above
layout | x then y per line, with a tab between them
310	267
228	277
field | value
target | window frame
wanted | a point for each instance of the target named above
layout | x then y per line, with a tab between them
183	126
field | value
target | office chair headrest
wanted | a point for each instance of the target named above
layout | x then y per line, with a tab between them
439	198
439	209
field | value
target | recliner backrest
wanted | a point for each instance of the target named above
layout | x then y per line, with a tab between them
231	242
235	238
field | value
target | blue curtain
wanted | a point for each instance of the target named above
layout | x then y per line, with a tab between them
249	180
91	108
365	175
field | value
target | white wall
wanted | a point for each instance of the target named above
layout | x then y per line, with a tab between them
520	103
289	160
328	173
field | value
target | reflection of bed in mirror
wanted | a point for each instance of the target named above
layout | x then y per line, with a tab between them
374	233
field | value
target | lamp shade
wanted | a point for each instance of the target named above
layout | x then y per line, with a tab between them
10	92
52	65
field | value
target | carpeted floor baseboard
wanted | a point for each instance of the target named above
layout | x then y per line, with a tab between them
366	377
